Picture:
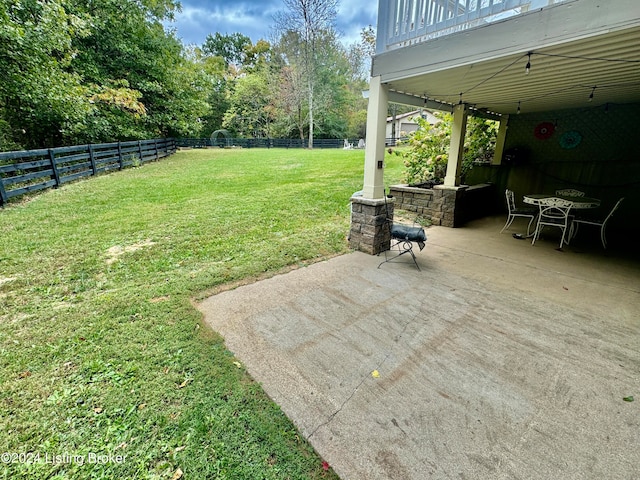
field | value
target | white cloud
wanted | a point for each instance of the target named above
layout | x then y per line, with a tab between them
254	18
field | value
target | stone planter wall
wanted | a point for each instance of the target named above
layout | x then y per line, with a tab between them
446	206
437	204
413	199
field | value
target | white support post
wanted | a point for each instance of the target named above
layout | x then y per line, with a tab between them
500	141
456	149
376	130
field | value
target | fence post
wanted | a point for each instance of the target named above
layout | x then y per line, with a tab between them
52	159
3	193
140	151
93	160
155	143
120	155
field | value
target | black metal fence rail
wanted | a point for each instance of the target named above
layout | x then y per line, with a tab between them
32	170
266	142
278	142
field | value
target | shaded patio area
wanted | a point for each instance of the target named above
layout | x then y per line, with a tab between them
499	360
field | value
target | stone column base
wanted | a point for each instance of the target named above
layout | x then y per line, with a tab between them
369	229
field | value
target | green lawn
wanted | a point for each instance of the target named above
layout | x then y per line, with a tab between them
101	349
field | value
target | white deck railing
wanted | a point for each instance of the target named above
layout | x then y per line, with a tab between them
405	22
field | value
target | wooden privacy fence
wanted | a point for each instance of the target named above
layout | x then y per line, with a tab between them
31	170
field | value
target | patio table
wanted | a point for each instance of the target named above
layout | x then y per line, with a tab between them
579	203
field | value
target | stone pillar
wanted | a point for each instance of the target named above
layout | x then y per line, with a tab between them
445	199
370	231
369	227
456	148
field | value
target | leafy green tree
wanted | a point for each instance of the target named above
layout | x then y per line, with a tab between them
128	48
234	57
95	70
39	94
216	90
333	95
233	49
251	111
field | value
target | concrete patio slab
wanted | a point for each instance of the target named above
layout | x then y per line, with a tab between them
499	360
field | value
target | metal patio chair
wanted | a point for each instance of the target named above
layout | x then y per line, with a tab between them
602	223
514	212
402	239
554	212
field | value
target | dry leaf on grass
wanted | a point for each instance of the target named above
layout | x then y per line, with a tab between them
185	383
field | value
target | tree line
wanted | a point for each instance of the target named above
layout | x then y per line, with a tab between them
94	71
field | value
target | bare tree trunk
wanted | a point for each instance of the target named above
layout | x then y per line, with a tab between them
310	114
310	20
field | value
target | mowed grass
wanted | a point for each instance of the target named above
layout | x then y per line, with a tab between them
101	349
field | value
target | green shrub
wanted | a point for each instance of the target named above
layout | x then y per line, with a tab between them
428	154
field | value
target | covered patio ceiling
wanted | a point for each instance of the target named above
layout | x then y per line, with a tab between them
598	70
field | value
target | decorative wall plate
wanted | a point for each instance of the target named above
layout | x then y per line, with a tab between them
544	130
570	139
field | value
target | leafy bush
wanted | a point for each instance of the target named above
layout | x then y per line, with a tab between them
428	153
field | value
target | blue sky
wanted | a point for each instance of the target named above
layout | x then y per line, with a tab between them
254	18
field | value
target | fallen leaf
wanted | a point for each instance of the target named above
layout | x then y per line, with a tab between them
325	465
179	449
122	446
177	475
237	364
565	288
166	370
159	299
24	374
97	409
628	399
185	383
375	374
141	406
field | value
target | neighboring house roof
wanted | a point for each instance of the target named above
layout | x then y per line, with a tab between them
409	116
